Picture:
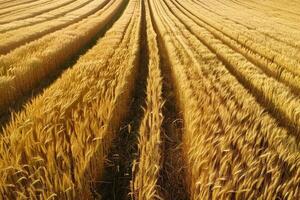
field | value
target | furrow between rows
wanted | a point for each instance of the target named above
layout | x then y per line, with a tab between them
16	38
24	69
229	144
74	142
275	96
46	16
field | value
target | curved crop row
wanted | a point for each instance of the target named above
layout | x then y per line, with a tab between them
147	170
15	38
56	147
22	6
289	21
33	12
273	51
274	27
30	20
286	12
192	39
233	148
276	96
6	4
267	64
254	22
22	69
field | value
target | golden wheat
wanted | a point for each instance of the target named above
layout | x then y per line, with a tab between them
224	150
32	12
148	166
27	20
20	6
56	146
277	96
13	39
25	67
228	71
267	62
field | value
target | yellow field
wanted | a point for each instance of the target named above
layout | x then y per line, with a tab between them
150	99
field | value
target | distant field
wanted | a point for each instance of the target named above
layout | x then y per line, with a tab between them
150	99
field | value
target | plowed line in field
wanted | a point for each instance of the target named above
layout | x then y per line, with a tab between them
264	16
10	4
115	183
189	49
90	118
115	180
249	53
172	179
18	106
275	52
248	27
216	104
220	91
193	75
251	8
17	3
12	44
284	30
258	15
28	14
172	175
25	3
142	185
66	44
22	8
277	113
193	45
21	23
183	51
16	14
273	26
263	6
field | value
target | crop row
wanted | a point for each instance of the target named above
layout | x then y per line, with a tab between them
149	162
254	26
45	16
232	147
15	38
32	12
272	50
237	96
22	7
56	147
275	95
23	69
6	4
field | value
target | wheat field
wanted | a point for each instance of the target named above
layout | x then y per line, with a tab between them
150	99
